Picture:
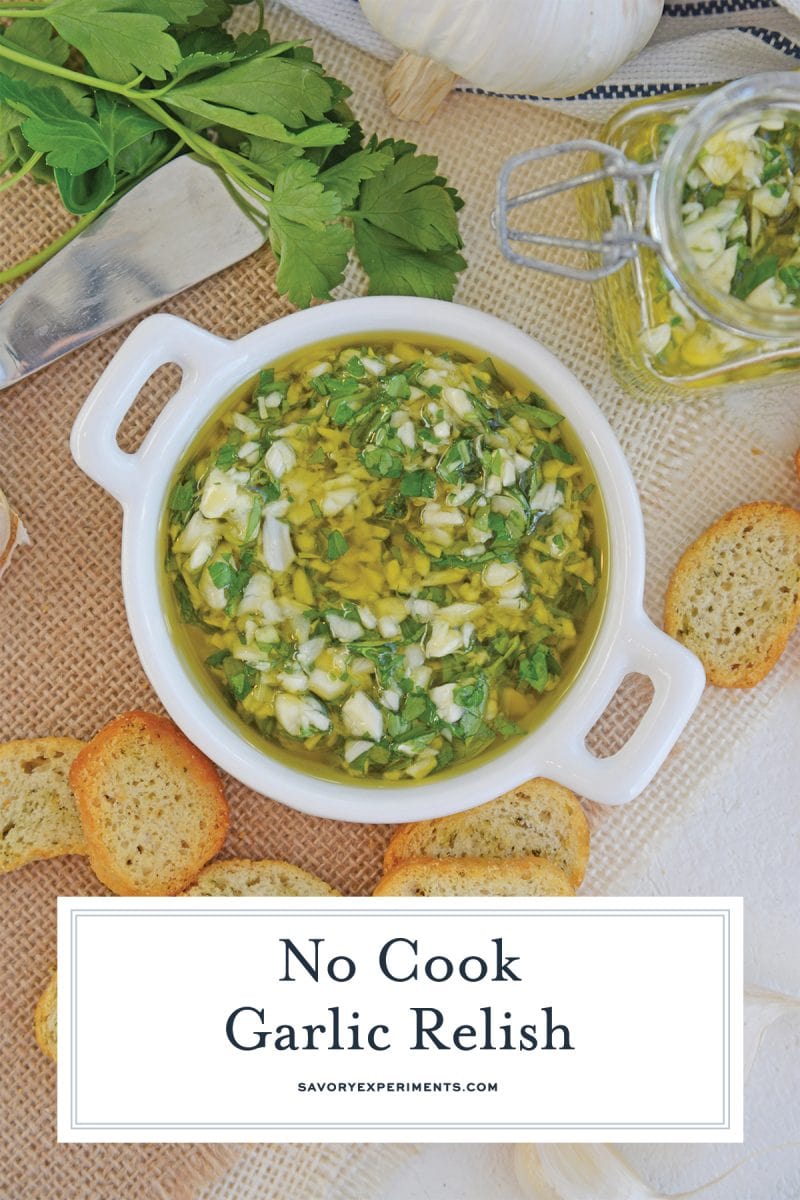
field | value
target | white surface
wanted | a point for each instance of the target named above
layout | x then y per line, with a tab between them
741	836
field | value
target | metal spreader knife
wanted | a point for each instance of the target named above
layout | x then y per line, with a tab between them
175	228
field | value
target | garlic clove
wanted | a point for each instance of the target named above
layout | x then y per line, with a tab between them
761	1008
12	533
594	1171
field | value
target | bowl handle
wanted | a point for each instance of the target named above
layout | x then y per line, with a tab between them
678	680
156	341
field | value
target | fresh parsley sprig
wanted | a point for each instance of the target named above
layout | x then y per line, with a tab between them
96	94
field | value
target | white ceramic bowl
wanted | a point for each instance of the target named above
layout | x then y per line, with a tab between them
626	641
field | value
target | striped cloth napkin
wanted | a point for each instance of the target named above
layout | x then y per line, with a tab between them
697	42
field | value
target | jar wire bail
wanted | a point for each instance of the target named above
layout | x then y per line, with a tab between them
617	245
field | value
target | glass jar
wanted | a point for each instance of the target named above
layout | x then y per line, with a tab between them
674	323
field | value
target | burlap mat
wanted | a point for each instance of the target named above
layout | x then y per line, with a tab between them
68	663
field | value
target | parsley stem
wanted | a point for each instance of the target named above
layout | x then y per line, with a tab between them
227	160
26	265
37	260
196	142
27	166
142	101
22	10
47	68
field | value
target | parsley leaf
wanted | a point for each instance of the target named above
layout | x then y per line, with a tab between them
790	276
533	669
751	273
240	677
382	462
265	115
337	545
418	483
397	269
121	38
312	262
268	96
301	197
345	177
406	200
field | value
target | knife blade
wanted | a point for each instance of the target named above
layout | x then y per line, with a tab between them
175	228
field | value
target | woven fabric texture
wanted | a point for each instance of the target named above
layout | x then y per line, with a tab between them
68	663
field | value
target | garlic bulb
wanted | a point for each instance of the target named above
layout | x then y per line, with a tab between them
534	47
12	533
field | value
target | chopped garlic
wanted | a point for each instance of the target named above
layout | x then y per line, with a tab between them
326	685
458	401
246	425
342	629
443	640
354	749
435	515
280	458
337	501
277	544
348	688
362	717
501	575
374	366
310	651
297	682
221	492
214	596
367	617
273	400
720	274
456	614
446	707
769	204
299	717
653	341
406	434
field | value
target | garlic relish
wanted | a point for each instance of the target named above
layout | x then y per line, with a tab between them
741	222
385	556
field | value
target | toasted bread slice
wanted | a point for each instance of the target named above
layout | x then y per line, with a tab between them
38	817
475	877
734	597
266	877
539	818
45	1019
152	806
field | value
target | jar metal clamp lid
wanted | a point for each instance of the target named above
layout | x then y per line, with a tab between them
646	202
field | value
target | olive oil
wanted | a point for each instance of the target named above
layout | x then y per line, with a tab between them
519	710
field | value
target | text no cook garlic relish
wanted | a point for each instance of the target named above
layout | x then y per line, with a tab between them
386	556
